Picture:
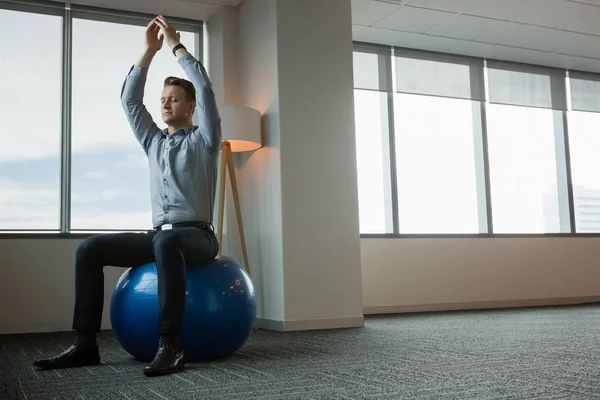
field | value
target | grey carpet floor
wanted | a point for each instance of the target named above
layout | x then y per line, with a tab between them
535	353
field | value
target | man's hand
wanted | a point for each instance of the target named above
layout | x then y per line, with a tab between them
167	31
154	40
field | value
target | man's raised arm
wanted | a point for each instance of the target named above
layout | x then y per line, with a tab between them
132	92
209	120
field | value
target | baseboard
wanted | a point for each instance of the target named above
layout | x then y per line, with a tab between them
270	324
34	327
310	324
415	308
336	323
43	327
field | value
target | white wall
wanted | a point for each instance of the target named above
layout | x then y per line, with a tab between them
221	54
222	63
37	285
401	275
398	275
259	172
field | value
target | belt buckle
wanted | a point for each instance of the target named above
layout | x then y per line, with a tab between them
166	227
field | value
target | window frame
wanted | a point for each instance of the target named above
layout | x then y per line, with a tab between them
562	155
386	86
68	12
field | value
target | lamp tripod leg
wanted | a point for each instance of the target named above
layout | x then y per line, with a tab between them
238	211
224	155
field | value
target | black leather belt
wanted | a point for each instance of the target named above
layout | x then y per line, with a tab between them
193	224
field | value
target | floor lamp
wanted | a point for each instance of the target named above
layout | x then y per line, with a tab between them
241	132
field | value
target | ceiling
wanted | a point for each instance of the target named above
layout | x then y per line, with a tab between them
193	9
561	33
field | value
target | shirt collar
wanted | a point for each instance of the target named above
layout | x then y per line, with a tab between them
184	131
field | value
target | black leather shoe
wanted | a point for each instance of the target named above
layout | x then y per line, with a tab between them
166	361
70	358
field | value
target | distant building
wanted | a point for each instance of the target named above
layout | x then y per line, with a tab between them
587	209
586	203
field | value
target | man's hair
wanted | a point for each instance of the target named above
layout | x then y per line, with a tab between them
190	91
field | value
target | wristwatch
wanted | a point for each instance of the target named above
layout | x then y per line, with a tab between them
177	47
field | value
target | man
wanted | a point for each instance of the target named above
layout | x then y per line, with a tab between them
183	167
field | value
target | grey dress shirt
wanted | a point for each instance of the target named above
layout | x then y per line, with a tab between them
183	165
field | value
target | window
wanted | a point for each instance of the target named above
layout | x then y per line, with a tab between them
372	141
437	114
523	171
110	177
436	164
373	161
474	146
31	120
584	144
75	165
526	145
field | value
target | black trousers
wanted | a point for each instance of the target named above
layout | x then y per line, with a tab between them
170	249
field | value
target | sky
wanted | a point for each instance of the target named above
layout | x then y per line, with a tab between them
110	178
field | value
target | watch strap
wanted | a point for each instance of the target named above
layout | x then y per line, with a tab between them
177	47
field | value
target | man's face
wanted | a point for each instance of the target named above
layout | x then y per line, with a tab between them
175	108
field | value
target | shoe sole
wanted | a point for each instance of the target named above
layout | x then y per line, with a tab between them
47	367
153	373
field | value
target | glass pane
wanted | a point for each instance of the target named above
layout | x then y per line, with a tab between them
585	91
526	85
110	178
523	171
435	74
584	142
373	162
437	155
370	69
30	66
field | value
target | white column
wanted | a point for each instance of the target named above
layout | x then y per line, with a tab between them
299	192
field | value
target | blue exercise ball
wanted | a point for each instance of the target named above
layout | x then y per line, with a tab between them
219	311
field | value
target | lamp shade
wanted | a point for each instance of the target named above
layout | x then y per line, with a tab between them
241	127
